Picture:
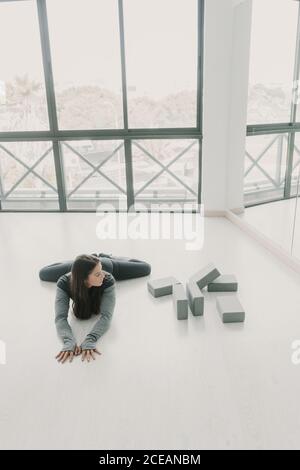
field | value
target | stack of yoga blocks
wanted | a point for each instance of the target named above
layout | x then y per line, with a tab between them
228	306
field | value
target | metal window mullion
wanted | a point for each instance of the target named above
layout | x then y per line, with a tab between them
291	139
199	174
51	102
279	159
92	134
47	65
296	73
289	165
123	64
200	72
264	129
200	51
1	188
60	178
129	174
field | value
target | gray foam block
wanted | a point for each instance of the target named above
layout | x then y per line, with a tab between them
180	302
223	283
207	274
230	309
195	298
161	286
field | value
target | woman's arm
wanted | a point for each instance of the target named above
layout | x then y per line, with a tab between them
107	306
63	328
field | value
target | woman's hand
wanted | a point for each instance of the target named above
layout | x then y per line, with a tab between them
88	353
62	356
77	350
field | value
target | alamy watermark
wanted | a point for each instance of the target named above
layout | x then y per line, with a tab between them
155	223
2	352
295	357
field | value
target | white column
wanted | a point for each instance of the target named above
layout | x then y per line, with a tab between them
225	86
238	104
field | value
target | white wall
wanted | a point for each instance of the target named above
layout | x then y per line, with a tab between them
225	90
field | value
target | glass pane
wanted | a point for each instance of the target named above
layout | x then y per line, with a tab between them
85	186
23	105
265	166
169	166
161	67
273	43
274	220
85	50
27	176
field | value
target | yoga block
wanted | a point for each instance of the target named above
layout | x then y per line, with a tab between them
180	302
230	309
162	286
206	275
223	283
195	298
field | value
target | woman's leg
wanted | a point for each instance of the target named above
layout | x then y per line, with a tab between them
128	268
52	272
119	267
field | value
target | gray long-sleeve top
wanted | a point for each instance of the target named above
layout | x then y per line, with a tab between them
62	300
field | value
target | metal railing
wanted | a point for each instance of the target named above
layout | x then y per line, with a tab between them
15	193
270	183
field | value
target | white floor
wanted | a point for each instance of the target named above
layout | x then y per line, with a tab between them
276	220
160	383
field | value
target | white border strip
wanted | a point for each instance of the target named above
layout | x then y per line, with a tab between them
269	244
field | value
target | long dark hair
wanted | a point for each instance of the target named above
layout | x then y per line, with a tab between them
86	300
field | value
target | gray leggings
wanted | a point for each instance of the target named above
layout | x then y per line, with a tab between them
119	267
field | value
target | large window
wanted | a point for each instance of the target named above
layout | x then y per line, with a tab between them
100	101
272	151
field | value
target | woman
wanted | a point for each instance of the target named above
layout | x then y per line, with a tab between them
89	281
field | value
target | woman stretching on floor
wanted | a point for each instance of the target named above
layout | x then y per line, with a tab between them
89	281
